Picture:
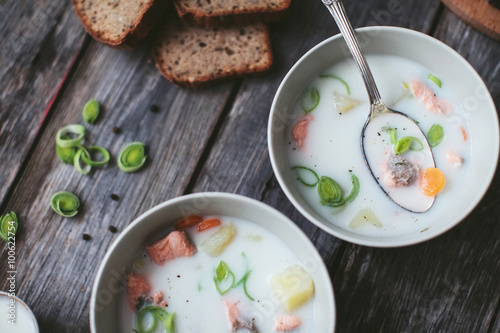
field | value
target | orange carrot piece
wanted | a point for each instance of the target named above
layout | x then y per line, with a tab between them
464	133
207	224
188	221
432	182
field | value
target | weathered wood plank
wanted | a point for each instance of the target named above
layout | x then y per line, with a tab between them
56	267
39	41
449	284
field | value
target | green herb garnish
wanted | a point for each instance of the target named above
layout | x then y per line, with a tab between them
392	134
416	144
158	313
222	274
435	80
351	196
88	160
310	100
132	157
329	191
300	179
67	155
335	77
402	145
435	135
79	159
8	226
63	140
65	203
90	111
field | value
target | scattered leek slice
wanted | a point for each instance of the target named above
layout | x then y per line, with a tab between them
300	179
329	191
78	160
416	144
64	141
88	160
344	103
402	145
132	157
435	80
65	203
67	155
90	111
310	100
245	278
221	274
329	76
351	196
435	135
392	133
157	313
8	226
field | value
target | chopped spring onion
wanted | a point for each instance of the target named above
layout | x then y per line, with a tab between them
132	157
65	203
78	160
300	179
90	111
351	196
221	275
64	141
435	80
435	135
157	313
330	76
310	100
8	226
67	155
329	191
245	278
402	145
392	133
416	144
86	156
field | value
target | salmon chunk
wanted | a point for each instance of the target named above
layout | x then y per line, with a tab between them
427	97
299	131
400	172
455	159
176	244
235	320
137	288
286	323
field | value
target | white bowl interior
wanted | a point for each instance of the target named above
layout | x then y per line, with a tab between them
109	284
432	54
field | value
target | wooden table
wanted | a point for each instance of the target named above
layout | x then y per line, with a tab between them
211	140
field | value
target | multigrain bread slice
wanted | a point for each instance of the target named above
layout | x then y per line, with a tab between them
119	23
195	57
214	13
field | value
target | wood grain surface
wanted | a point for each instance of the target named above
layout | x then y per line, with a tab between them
212	140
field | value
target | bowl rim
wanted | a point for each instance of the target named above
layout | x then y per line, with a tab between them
211	195
24	305
370	240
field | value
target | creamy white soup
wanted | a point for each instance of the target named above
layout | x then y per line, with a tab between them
193	287
325	145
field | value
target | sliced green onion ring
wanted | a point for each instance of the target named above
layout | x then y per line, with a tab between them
64	141
157	313
78	160
329	191
416	144
300	179
351	196
435	80
435	135
392	133
310	100
65	203
132	157
67	155
8	226
335	77
90	111
86	157
402	145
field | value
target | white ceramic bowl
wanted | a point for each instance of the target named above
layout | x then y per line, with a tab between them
19	312
432	54
109	283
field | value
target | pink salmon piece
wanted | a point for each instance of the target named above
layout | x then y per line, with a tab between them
299	131
286	323
176	244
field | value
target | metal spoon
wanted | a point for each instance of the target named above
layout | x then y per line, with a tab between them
375	142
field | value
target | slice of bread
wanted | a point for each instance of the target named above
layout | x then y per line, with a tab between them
213	13
194	57
119	23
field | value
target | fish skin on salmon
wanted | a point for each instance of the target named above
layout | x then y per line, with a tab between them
287	323
137	287
427	97
235	321
175	244
299	130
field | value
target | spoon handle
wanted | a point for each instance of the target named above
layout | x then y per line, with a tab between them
337	10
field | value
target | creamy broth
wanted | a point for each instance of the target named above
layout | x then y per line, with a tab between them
332	146
188	285
23	321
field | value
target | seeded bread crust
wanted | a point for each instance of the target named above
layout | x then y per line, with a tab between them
217	13
119	23
196	57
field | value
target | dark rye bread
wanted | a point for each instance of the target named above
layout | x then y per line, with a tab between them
119	23
194	57
214	13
